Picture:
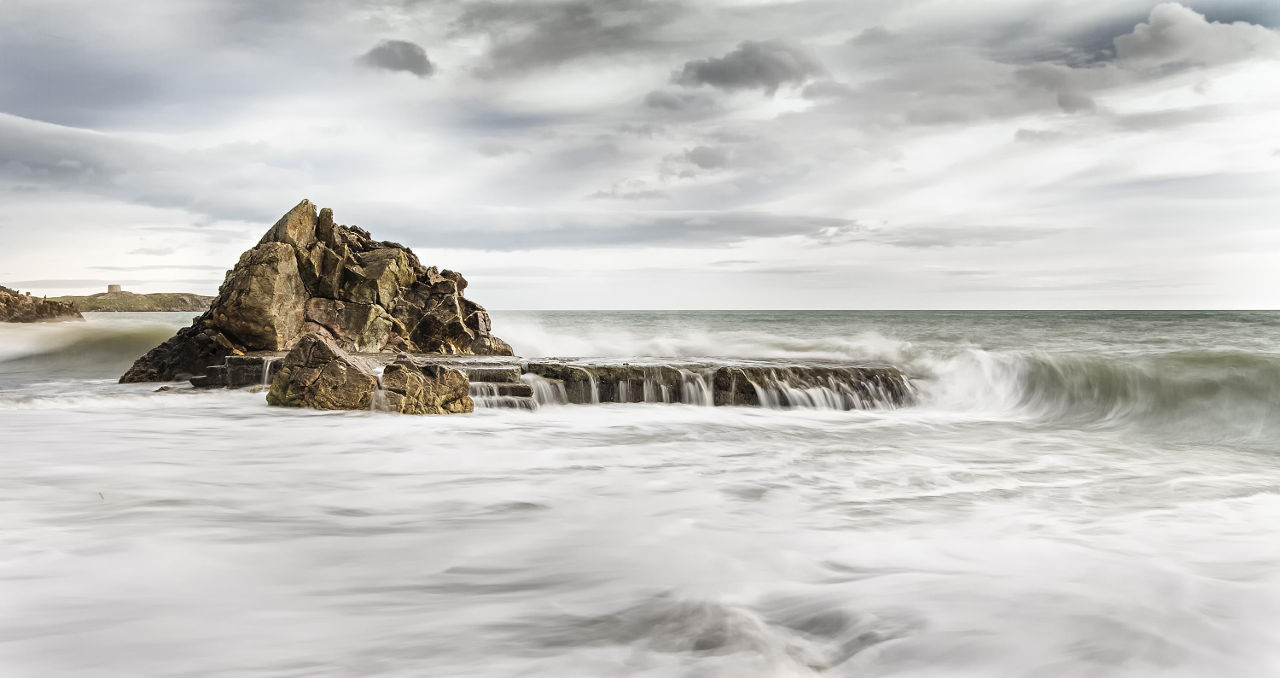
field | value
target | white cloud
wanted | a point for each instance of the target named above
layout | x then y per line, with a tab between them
1177	35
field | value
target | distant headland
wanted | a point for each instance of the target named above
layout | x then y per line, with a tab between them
116	299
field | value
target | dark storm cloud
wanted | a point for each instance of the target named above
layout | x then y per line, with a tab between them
399	55
764	65
527	35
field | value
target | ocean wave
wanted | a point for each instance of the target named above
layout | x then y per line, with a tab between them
1226	392
1219	392
88	349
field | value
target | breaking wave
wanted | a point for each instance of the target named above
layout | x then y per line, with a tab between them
1219	392
1229	392
88	349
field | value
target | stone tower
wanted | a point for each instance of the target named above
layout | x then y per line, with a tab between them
111	289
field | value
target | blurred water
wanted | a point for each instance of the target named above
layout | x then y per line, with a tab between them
1075	495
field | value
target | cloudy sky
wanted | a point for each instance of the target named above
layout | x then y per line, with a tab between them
660	154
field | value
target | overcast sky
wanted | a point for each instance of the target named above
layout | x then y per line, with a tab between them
664	154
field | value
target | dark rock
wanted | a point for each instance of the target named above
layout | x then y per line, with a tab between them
308	274
16	307
317	373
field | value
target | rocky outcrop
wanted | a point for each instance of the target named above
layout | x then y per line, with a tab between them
16	307
308	274
320	375
431	389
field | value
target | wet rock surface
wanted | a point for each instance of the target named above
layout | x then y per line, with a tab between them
318	374
845	387
16	307
310	275
528	384
431	389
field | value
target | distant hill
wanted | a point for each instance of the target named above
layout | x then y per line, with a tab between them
130	302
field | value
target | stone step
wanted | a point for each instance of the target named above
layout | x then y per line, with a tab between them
503	383
488	388
505	374
238	371
751	384
505	402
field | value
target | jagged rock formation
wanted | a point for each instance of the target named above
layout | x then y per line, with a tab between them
308	274
429	389
318	374
110	302
16	307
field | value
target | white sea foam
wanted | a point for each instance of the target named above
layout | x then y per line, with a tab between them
1068	513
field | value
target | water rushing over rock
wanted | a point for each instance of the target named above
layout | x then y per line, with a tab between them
528	384
756	384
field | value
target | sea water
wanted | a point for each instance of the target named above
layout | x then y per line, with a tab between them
1072	494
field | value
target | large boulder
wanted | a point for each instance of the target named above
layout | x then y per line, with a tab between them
16	307
433	389
319	374
308	274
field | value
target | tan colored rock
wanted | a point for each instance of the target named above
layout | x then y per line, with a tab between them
320	375
263	300
365	327
308	274
411	389
297	227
